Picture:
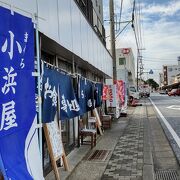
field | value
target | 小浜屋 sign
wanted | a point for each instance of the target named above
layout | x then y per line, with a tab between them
19	150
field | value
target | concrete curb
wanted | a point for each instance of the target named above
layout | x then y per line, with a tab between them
148	168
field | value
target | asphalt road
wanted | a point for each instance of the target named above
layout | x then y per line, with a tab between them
168	110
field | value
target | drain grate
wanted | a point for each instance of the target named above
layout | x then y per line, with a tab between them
166	175
98	155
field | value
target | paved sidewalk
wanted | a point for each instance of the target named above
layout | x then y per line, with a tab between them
80	168
137	150
130	157
93	170
126	162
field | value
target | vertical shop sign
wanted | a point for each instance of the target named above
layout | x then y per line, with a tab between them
105	94
120	88
55	82
98	94
82	95
18	135
86	98
111	101
49	94
69	107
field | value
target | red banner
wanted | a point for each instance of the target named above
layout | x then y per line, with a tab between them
105	95
120	90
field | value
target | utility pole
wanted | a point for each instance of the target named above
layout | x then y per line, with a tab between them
138	54
139	57
112	38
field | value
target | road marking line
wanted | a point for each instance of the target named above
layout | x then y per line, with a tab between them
174	107
171	130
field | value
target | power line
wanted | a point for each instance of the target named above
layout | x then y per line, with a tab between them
154	61
140	27
137	26
120	14
123	29
158	58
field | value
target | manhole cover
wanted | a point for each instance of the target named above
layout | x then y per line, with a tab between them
98	155
166	175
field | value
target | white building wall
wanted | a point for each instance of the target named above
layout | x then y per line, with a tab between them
129	65
62	21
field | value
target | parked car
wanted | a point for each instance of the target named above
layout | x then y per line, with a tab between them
178	92
174	92
133	93
162	92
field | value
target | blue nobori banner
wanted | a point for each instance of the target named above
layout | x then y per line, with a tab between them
49	94
69	107
58	83
18	135
86	95
98	89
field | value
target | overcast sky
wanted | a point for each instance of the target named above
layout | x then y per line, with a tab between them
160	22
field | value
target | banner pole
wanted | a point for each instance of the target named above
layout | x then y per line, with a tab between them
39	89
2	169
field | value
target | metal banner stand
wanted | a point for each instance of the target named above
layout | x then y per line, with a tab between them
39	90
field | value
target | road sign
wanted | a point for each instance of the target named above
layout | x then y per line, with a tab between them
151	71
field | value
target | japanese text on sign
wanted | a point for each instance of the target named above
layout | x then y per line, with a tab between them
8	114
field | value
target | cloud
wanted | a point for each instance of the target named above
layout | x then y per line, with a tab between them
162	41
160	33
168	9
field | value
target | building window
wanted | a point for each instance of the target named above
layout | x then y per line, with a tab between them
122	61
96	3
64	65
97	22
169	69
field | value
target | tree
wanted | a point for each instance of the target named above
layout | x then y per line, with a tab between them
152	83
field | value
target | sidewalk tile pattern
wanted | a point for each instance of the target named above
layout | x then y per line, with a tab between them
126	162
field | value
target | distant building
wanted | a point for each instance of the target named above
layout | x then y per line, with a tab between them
125	65
161	79
177	78
170	72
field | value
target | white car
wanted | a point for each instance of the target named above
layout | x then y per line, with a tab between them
133	93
